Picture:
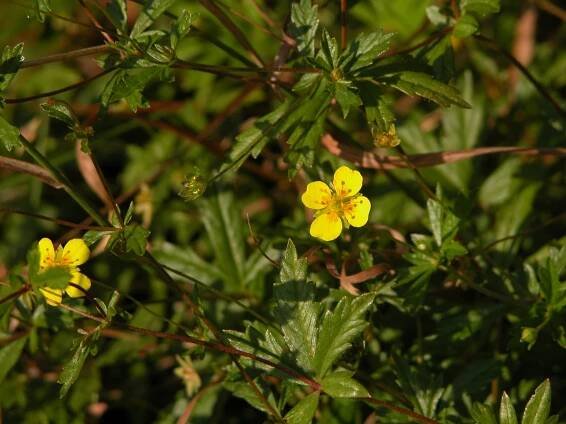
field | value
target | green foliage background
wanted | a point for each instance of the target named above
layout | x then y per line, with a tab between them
204	121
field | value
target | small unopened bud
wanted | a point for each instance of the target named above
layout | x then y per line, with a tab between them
194	185
529	335
388	138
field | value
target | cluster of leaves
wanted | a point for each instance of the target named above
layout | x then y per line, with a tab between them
455	300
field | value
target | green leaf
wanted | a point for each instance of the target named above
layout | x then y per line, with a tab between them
467	25
422	389
118	15
483	414
9	356
128	84
506	411
62	111
452	249
10	63
304	23
424	85
181	28
136	239
340	384
538	406
93	236
549	281
303	412
72	369
133	239
480	7
9	135
152	10
329	49
292	268
54	278
436	16
41	8
346	98
253	140
443	222
244	391
364	50
184	259
224	227
296	310
339	328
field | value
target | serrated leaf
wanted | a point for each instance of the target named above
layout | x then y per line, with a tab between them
9	356
62	111
481	7
303	412
10	63
136	239
125	83
41	8
224	227
72	369
378	114
117	12
93	236
9	135
253	140
152	10
346	98
424	85
292	268
55	278
507	413
329	50
244	391
181	28
304	23
465	26
483	414
184	259
538	406
422	389
340	384
296	310
338	329
443	222
364	50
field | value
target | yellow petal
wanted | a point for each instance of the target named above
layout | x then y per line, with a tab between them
347	182
79	280
46	253
75	253
53	297
356	211
317	196
326	226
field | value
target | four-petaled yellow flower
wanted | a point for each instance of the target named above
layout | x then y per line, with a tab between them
74	253
339	206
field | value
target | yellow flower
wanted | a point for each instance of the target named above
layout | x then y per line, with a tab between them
74	253
341	205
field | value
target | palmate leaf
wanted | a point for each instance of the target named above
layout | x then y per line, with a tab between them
128	84
339	328
423	390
